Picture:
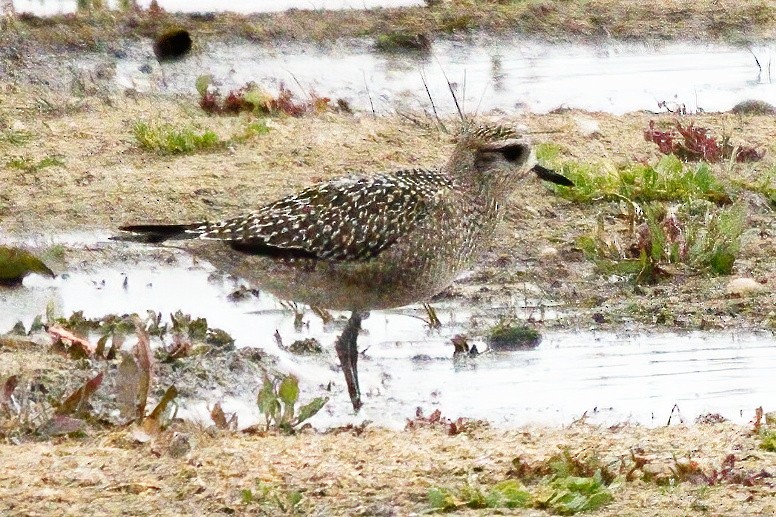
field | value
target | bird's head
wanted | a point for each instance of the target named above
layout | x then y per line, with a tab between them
491	158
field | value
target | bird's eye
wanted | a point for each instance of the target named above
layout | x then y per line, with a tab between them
514	153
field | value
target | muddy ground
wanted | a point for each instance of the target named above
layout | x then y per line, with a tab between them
71	162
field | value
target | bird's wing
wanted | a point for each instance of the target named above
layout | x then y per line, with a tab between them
352	218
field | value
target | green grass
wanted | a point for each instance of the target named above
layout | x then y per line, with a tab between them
14	137
396	41
28	164
251	131
768	441
669	180
508	335
764	185
169	139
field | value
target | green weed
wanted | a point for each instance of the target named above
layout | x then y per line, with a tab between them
568	495
168	139
251	131
765	185
277	402
560	492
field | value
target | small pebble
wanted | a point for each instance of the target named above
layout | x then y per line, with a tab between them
548	252
745	287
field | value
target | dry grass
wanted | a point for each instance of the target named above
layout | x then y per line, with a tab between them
378	472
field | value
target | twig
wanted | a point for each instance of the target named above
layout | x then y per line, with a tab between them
452	92
676	407
760	68
431	99
369	95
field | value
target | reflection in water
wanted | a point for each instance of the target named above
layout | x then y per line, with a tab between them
504	77
606	376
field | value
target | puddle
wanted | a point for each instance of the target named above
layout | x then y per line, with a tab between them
502	78
608	377
52	7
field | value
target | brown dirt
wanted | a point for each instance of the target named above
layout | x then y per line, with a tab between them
107	180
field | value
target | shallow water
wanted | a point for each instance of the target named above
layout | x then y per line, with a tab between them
607	377
504	77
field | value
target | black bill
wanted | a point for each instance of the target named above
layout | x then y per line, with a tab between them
552	176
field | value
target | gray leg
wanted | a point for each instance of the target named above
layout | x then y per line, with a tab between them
347	351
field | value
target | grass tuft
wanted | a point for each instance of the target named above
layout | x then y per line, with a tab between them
28	164
14	137
697	236
397	41
168	139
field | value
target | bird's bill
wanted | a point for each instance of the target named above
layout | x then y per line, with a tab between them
553	177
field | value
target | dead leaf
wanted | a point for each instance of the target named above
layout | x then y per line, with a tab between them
219	418
161	407
127	382
145	360
8	388
76	402
61	424
73	343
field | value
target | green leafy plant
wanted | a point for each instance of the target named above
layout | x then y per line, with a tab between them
168	139
506	494
277	402
669	180
568	495
698	236
251	131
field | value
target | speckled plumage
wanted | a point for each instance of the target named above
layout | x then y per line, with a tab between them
367	242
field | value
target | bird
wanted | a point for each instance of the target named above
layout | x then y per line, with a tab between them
364	242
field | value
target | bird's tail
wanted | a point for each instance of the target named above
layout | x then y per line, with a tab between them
154	233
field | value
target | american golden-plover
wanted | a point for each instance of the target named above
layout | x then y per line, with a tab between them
365	242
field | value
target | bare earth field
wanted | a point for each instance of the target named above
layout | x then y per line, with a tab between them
71	162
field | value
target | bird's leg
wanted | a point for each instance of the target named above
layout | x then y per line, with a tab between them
347	350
